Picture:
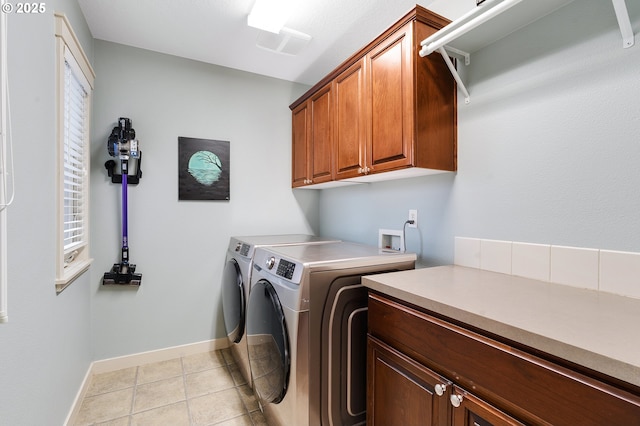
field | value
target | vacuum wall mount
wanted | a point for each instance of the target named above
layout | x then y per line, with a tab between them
123	144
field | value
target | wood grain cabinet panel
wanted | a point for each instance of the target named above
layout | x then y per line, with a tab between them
299	146
391	109
472	411
350	114
402	391
390	104
312	139
321	137
500	382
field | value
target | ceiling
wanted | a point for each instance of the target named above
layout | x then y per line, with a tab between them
216	31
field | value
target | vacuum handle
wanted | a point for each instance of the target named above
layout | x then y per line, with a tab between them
124	165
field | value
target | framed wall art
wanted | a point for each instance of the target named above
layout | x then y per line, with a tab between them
203	169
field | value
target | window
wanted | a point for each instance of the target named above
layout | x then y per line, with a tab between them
74	88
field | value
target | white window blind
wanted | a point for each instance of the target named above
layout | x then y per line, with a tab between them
74	163
74	87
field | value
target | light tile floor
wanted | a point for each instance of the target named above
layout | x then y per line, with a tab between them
202	389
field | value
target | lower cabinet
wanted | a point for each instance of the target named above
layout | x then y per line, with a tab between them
401	391
469	410
426	370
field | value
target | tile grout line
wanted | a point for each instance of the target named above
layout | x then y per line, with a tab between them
133	399
186	395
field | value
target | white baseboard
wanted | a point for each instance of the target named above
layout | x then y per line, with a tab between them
118	363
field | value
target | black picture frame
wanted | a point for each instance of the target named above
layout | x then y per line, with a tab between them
204	168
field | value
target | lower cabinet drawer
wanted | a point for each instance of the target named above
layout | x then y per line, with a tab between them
531	389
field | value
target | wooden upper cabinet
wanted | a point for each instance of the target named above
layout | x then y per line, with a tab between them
390	108
312	140
390	103
299	146
321	136
350	114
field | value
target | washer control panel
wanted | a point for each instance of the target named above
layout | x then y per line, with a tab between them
286	269
240	248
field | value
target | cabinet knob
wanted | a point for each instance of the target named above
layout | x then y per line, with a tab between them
440	389
360	170
456	400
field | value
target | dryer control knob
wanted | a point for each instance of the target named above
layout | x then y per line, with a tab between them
270	262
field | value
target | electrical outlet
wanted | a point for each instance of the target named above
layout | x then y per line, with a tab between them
413	215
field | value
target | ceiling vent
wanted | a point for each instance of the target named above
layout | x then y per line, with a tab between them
287	42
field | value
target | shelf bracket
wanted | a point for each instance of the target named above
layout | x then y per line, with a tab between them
472	19
455	74
438	41
490	8
460	53
622	15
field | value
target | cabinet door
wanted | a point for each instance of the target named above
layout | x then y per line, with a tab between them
350	121
533	389
299	147
321	136
401	391
472	411
389	101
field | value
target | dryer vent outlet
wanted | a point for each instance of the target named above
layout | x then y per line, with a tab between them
391	239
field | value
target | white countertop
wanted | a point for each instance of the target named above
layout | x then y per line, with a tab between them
598	330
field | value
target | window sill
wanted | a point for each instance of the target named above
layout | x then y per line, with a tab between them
71	273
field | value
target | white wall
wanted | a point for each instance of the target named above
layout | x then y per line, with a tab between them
45	348
180	246
548	149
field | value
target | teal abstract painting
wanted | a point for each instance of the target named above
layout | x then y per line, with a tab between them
203	169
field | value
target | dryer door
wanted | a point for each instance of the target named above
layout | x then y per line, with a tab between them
233	300
268	341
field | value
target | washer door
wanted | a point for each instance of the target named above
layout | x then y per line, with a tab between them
233	301
268	342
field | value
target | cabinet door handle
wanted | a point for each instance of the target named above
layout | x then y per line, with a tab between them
440	389
456	400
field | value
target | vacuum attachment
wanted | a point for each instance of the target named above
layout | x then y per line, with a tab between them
123	144
122	274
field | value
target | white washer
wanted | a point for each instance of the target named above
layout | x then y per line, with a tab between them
235	286
306	330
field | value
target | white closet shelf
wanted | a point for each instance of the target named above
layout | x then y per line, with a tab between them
495	19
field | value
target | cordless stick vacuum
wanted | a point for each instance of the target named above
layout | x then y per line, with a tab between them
123	144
